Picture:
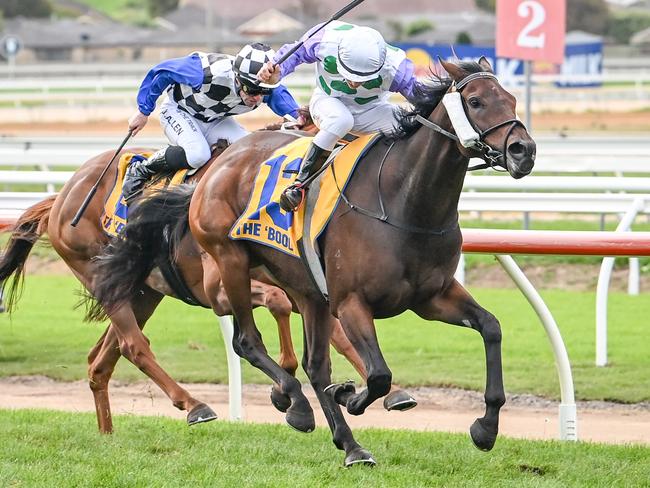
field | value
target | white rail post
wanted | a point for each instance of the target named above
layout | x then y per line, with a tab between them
234	369
568	418
633	277
460	270
602	288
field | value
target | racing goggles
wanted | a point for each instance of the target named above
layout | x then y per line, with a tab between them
253	89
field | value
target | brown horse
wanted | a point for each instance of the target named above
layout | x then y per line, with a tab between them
392	245
78	245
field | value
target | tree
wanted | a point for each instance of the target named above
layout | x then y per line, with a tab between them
587	15
417	27
463	38
158	8
486	5
25	8
622	25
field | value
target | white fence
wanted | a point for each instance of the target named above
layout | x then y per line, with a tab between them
554	154
38	86
564	192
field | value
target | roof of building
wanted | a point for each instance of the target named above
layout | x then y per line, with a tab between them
46	33
270	22
641	37
325	8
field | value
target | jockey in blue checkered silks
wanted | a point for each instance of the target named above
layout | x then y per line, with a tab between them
355	72
204	91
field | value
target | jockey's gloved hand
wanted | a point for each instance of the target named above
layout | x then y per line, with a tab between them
269	73
137	122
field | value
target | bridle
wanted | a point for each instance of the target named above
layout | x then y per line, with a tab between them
492	157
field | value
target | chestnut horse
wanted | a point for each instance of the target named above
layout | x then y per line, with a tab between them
392	245
78	245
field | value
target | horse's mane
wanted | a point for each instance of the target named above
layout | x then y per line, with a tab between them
426	96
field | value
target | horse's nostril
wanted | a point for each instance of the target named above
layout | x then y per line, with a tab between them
521	149
516	149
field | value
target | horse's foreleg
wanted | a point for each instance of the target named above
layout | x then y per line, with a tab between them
456	306
135	347
247	341
318	326
359	327
397	399
98	378
105	354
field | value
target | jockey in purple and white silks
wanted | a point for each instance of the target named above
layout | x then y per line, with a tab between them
356	71
204	91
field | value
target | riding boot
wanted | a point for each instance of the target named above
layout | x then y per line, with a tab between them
293	195
171	158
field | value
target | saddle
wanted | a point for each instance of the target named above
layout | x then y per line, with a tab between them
115	213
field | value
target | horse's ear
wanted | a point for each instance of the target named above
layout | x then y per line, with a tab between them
485	64
453	69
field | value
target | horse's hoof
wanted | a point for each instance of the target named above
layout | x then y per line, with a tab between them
341	392
399	400
279	400
302	421
481	437
201	413
359	456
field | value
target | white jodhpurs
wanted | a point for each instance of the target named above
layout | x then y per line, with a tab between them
334	118
194	136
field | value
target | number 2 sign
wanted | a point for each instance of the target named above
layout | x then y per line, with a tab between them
532	30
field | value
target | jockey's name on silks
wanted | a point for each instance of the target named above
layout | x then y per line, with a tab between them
264	222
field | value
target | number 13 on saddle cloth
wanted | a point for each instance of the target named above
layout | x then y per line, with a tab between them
264	222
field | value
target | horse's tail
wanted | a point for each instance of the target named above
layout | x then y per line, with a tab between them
31	225
155	228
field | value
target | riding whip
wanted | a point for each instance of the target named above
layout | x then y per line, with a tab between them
334	17
92	191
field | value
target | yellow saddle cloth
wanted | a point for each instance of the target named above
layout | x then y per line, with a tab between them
115	212
264	222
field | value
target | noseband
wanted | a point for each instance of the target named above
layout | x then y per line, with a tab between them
491	156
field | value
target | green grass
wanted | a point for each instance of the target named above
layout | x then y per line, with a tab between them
53	449
46	336
129	11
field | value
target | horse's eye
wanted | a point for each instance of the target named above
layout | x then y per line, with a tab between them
474	102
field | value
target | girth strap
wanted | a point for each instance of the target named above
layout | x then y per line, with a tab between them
173	276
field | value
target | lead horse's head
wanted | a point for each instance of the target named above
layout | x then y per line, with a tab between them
483	115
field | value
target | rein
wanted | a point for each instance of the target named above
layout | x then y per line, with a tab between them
491	157
383	216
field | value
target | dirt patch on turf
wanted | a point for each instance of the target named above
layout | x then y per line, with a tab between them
439	409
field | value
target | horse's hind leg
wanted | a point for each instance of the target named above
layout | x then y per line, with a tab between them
279	305
359	327
247	341
318	326
104	356
456	306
